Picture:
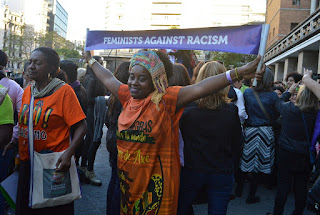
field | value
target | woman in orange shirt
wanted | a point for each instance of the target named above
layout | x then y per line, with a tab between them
56	109
148	145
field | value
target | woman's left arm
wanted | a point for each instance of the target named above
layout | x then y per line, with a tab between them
64	162
213	84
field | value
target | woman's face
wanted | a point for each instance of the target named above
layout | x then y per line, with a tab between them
290	81
38	68
278	92
140	82
293	97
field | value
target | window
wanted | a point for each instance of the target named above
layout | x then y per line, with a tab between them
273	31
293	25
295	2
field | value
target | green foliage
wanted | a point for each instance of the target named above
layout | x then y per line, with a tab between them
25	43
234	59
68	53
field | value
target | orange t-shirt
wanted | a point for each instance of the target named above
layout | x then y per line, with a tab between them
148	156
52	118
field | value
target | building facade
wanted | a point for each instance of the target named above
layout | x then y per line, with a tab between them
294	36
283	16
58	18
160	14
11	27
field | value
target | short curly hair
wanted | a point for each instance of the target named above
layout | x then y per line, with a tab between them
296	76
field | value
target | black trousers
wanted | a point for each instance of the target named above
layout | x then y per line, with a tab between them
22	201
293	169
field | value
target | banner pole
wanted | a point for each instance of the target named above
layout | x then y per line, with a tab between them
85	42
262	48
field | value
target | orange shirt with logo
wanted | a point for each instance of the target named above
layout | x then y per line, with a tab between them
148	156
53	116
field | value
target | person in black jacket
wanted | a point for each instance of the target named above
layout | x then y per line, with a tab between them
94	89
70	68
293	161
211	133
114	110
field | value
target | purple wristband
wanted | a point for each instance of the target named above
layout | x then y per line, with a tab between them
229	77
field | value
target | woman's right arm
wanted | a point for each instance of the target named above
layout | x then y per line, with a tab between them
310	83
105	76
280	103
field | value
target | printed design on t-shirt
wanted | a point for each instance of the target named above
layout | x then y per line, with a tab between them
124	181
145	126
37	111
135	136
136	157
149	203
150	200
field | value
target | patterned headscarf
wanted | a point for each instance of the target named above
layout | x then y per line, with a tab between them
151	61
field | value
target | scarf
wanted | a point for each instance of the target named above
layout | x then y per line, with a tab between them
151	61
45	91
131	112
75	84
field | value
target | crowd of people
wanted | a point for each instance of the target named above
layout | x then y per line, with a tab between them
176	127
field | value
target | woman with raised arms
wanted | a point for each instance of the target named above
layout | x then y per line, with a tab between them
148	146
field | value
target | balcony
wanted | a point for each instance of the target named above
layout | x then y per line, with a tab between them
305	30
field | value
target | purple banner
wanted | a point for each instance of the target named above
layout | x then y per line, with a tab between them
237	39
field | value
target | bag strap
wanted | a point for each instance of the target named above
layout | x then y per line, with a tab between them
31	146
261	105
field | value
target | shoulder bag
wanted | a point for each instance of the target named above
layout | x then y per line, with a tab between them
49	188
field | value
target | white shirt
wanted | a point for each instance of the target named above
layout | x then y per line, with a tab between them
240	104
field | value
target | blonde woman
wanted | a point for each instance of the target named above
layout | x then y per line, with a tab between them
293	159
211	132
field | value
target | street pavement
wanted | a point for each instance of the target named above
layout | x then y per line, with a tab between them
93	201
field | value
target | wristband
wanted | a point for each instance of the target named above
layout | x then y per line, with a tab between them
229	77
237	77
91	62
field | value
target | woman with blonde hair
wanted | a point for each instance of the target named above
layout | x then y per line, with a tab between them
293	159
211	131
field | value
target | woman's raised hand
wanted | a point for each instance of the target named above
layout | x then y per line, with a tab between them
307	72
293	87
248	71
